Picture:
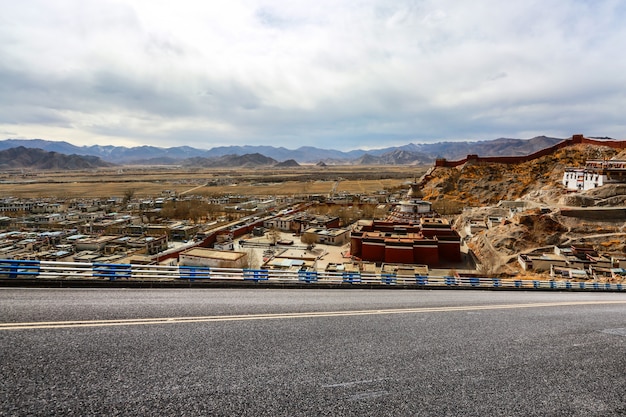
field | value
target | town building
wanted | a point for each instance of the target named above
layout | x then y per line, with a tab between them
301	221
335	237
213	258
571	258
292	260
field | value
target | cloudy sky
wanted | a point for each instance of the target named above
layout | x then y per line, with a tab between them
326	73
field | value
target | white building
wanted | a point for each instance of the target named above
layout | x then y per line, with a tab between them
595	174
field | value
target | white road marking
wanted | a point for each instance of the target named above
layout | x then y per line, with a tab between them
353	383
275	316
619	332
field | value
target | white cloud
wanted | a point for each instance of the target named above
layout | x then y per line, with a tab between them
289	73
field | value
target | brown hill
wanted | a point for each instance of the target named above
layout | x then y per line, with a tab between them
30	158
538	183
290	163
477	184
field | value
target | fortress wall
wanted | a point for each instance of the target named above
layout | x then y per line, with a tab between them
617	213
574	140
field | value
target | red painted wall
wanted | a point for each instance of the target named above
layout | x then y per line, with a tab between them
426	255
355	246
399	254
372	252
450	251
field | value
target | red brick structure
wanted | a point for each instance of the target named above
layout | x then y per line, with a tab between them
431	242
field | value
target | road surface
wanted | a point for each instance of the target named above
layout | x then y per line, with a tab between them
267	352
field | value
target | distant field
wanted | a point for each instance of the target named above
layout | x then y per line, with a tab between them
154	182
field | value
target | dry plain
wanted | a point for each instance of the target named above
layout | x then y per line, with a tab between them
155	181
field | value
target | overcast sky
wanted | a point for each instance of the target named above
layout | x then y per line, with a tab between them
326	73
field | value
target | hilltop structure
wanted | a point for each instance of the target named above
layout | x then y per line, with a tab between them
596	173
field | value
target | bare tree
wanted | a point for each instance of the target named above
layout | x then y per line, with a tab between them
252	260
129	193
310	239
273	235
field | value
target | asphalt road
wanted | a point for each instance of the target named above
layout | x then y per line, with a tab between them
266	352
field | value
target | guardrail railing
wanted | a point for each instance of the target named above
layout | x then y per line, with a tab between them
30	269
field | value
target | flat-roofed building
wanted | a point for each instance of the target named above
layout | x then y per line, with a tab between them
475	226
541	263
336	237
183	232
405	271
213	258
149	245
560	272
93	243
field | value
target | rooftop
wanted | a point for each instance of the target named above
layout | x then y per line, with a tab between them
213	254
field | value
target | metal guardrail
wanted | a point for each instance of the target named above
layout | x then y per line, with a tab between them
29	269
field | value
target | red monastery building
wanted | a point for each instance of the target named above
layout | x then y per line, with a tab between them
410	235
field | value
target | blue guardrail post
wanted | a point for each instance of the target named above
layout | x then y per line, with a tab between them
255	275
351	277
112	271
388	279
194	272
307	276
15	267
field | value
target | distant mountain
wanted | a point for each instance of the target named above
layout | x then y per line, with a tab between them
367	159
243	161
497	147
115	154
412	153
29	158
289	163
396	157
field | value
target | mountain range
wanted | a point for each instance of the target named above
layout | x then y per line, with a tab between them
21	157
410	154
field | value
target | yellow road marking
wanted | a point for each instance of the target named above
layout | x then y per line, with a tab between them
275	316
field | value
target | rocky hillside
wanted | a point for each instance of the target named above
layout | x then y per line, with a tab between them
535	231
541	224
482	184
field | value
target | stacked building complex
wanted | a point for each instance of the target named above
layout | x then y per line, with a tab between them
596	173
411	234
